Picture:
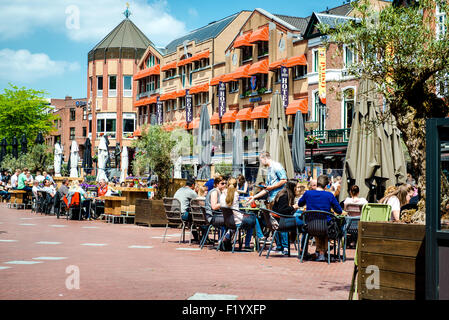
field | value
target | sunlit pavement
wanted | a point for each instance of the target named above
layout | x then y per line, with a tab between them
41	258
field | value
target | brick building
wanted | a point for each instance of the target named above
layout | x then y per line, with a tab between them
71	125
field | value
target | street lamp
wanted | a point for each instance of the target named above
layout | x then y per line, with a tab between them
310	127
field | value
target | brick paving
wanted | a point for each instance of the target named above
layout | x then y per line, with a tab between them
130	262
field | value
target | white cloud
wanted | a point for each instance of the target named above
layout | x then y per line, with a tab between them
24	66
87	21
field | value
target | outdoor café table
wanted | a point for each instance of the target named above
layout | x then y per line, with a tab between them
17	196
131	195
112	206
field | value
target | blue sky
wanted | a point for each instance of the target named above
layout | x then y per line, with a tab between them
44	43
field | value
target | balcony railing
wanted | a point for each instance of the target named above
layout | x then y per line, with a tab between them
340	136
147	93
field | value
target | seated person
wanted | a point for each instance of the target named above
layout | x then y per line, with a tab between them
50	193
22	181
40	178
85	203
35	188
320	200
354	197
64	188
243	189
4	187
397	199
184	195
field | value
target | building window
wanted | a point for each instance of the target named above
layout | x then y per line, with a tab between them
72	133
170	73
90	126
175	104
106	127
100	87
262	82
349	57
348	105
262	48
129	126
90	86
277	75
112	86
72	114
84	132
319	114
183	103
246	86
247	53
127	86
440	23
233	86
183	76
168	105
299	72
315	61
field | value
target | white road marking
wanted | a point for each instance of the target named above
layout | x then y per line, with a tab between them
27	224
47	242
140	247
3	268
23	262
26	218
2	240
94	244
188	249
91	227
206	296
50	258
57	226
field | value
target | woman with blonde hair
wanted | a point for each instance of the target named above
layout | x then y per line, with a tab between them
397	199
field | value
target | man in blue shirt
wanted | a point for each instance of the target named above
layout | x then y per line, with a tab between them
320	200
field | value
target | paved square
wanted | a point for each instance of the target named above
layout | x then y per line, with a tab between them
123	262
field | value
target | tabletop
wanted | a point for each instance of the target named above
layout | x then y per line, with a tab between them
134	189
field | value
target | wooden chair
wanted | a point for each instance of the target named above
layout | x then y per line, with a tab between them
173	213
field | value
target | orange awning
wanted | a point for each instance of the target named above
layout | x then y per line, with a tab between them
146	101
297	61
277	64
152	100
195	124
184	62
179	124
298	105
243	41
199	56
228	78
200	88
261	112
137	133
170	66
229	117
260	67
180	94
240	72
262	34
215	119
244	114
216	81
156	70
168	96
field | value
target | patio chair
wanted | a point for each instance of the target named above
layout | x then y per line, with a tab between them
172	208
216	222
371	212
249	222
199	221
41	195
322	224
73	205
285	224
351	228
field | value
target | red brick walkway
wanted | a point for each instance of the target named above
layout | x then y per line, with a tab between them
116	271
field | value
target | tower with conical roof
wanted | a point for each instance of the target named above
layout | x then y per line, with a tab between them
110	86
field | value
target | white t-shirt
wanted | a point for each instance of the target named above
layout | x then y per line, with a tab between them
350	200
395	205
14	180
40	178
235	205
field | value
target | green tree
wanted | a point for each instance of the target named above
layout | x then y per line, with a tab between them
24	111
40	157
154	150
399	49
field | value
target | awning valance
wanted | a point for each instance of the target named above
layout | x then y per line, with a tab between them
244	114
243	41
195	124
260	67
216	81
153	71
200	88
169	66
229	117
215	119
298	105
262	34
297	61
168	96
261	112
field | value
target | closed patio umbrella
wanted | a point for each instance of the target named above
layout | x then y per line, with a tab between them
74	158
87	157
205	145
102	158
39	138
276	140
400	167
299	144
15	147
3	146
57	160
124	164
238	165
362	159
24	144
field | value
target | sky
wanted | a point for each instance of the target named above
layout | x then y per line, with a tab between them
44	43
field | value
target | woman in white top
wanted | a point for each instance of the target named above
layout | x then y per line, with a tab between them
354	198
397	199
230	198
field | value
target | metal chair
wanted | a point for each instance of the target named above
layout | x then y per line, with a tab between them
352	224
199	221
41	195
215	221
173	213
74	204
317	224
286	224
248	222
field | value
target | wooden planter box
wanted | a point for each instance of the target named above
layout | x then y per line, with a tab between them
150	213
398	250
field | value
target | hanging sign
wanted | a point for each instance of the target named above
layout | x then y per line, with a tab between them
221	99
322	74
189	109
284	86
160	117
